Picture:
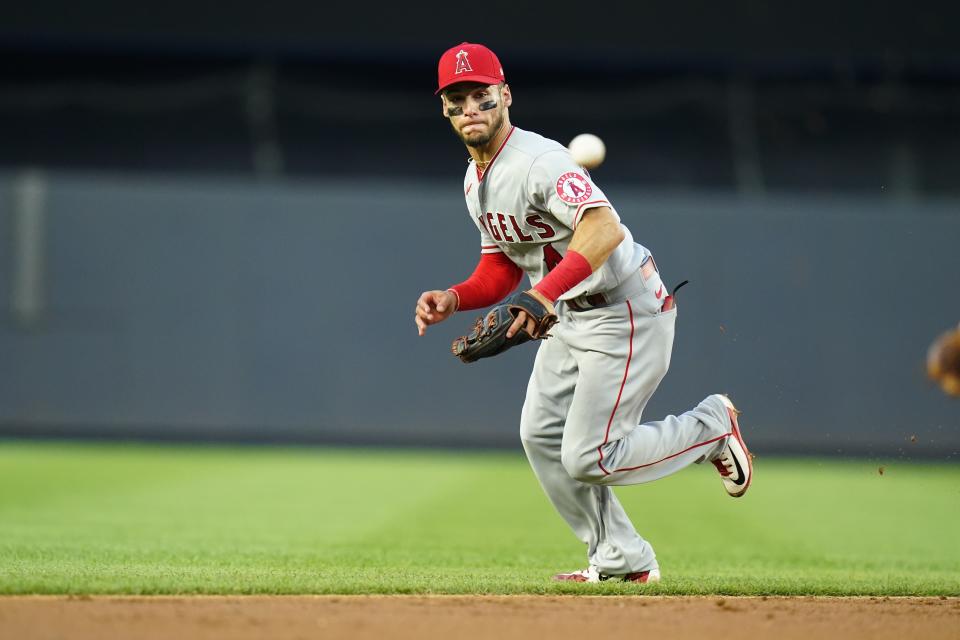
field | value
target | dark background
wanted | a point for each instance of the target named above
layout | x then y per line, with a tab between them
831	96
240	203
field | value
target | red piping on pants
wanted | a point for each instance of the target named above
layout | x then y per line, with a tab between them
626	371
699	444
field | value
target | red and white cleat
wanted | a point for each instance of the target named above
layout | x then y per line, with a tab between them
592	574
734	462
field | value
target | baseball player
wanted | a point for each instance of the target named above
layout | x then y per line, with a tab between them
538	213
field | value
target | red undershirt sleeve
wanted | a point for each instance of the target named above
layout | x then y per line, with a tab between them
496	276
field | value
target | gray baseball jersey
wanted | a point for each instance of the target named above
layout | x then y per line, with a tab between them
528	203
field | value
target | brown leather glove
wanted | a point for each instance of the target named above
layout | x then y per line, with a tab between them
489	335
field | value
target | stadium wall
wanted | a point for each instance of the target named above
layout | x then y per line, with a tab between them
149	307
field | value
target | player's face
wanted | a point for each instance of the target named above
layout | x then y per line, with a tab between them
476	111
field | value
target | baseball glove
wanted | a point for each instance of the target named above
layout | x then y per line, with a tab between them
489	336
943	362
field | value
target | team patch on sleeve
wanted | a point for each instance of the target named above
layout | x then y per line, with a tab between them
574	188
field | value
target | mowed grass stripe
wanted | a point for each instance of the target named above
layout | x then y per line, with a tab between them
123	518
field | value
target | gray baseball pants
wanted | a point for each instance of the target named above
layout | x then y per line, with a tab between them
581	428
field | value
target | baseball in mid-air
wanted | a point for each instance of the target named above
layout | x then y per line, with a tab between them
587	150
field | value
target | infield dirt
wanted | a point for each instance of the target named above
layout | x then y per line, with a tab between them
500	617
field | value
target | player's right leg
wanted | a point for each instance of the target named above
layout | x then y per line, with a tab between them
593	512
622	352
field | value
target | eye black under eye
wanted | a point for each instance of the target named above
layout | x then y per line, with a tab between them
454	111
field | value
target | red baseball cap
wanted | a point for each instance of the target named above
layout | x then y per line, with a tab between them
468	63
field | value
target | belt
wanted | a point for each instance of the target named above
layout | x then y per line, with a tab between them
629	288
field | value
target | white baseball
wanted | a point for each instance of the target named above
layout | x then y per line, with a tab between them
587	150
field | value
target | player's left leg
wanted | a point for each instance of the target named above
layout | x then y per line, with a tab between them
593	512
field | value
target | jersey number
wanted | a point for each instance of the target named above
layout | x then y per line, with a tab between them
551	257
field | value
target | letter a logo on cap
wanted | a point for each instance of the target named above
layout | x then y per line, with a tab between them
462	63
468	62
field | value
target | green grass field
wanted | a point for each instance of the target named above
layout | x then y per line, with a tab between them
140	519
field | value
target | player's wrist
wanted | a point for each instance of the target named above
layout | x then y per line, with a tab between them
569	272
541	298
456	299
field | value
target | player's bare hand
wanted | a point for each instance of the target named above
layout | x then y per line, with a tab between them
433	307
524	321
